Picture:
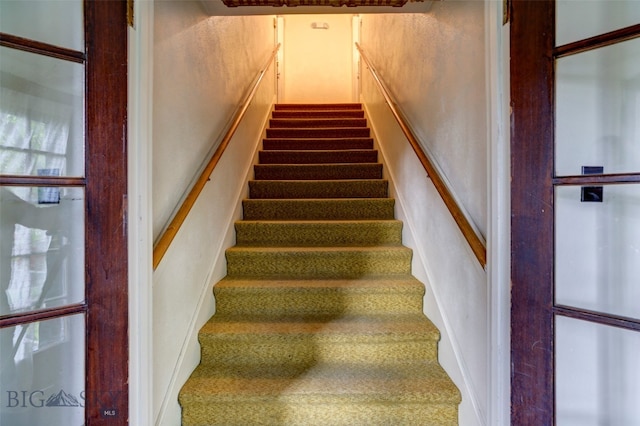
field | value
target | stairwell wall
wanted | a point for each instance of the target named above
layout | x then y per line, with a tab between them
200	77
434	65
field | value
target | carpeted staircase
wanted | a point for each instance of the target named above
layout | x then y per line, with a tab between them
319	320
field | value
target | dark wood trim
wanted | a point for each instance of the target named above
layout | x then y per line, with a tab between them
598	317
606	179
106	198
12	180
598	41
27	45
41	315
532	132
167	236
475	241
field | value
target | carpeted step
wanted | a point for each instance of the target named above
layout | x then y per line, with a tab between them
340	132
303	123
302	106
280	341
319	395
318	156
319	209
318	113
317	144
318	233
318	171
336	297
355	188
317	262
319	320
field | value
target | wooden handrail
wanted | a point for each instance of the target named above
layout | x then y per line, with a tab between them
476	242
164	241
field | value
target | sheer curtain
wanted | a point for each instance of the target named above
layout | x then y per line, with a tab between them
34	134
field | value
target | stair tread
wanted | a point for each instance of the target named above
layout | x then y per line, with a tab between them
349	328
330	188
318	233
333	113
326	132
302	250
316	122
318	156
318	208
424	382
378	284
315	106
320	171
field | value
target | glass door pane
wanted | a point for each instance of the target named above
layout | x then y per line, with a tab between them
42	375
598	374
57	22
578	19
598	109
41	115
41	248
598	250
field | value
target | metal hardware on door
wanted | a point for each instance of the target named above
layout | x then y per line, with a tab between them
592	194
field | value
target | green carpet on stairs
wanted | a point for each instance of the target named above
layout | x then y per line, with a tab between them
319	320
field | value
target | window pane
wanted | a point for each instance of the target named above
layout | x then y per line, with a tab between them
57	22
580	19
597	374
42	377
41	115
41	248
598	110
598	250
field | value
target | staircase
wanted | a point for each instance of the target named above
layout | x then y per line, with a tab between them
319	320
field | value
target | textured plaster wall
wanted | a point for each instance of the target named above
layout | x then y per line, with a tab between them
434	65
200	76
202	68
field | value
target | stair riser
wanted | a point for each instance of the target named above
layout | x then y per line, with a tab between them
308	350
318	114
318	172
277	412
288	303
306	123
270	189
317	107
358	132
317	144
318	209
318	157
288	234
320	264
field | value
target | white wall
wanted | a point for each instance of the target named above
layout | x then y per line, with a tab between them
434	65
317	61
200	77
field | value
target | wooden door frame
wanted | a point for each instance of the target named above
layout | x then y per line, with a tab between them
532	133
106	158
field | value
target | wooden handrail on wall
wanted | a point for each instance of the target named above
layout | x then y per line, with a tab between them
164	241
476	242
